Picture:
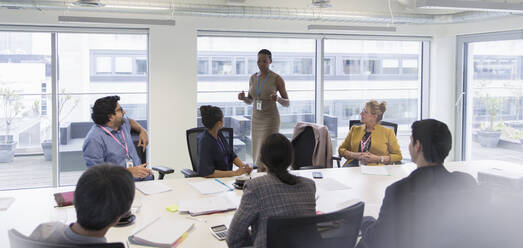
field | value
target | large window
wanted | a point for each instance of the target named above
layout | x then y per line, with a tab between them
25	60
89	66
493	78
355	71
225	65
369	69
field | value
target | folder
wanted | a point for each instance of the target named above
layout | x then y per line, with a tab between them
64	198
162	232
210	205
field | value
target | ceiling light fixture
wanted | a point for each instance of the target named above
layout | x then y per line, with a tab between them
320	4
470	5
85	19
352	28
88	3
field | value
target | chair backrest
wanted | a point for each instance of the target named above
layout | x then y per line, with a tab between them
337	229
303	148
139	150
393	126
19	240
192	142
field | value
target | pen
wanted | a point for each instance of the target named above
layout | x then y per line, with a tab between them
230	189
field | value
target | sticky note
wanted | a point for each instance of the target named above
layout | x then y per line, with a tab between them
172	208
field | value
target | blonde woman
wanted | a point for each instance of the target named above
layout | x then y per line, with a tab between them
371	143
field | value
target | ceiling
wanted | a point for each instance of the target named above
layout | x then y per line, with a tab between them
356	11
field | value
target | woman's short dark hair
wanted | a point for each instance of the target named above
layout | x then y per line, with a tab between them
210	115
277	154
266	52
103	194
103	108
435	139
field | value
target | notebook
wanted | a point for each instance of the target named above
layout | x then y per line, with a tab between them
210	205
152	187
64	198
374	170
162	232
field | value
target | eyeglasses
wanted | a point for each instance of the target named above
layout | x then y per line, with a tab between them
363	110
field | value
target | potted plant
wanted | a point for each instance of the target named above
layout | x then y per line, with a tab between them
489	135
47	145
11	108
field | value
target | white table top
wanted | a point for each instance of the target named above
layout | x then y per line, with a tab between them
34	206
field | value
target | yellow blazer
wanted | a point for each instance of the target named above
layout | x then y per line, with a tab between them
383	142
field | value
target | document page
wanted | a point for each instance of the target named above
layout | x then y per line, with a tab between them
209	205
161	232
5	202
374	170
152	187
209	186
330	184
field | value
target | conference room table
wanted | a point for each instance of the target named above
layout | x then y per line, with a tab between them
34	206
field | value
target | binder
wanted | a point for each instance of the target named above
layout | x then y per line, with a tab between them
64	198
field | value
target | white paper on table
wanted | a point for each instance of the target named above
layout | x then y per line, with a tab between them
209	186
209	204
330	201
374	170
5	202
161	232
329	184
152	187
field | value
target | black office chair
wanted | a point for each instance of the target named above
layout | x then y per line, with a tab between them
393	126
19	240
162	170
337	229
192	145
303	149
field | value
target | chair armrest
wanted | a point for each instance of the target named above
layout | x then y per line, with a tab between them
163	169
338	160
189	173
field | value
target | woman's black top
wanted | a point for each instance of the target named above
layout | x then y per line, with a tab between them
214	154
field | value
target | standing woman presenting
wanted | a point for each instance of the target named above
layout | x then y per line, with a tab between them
263	88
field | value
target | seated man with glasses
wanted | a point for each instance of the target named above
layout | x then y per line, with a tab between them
109	140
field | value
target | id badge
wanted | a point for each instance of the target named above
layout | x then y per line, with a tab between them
128	163
258	105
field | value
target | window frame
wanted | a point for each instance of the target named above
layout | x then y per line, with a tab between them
113	75
462	151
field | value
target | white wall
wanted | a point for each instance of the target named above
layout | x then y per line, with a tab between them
173	69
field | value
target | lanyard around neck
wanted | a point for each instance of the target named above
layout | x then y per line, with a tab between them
115	139
258	87
364	144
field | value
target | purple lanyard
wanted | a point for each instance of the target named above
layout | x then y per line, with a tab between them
222	148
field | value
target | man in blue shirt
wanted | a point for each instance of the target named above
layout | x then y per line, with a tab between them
109	140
